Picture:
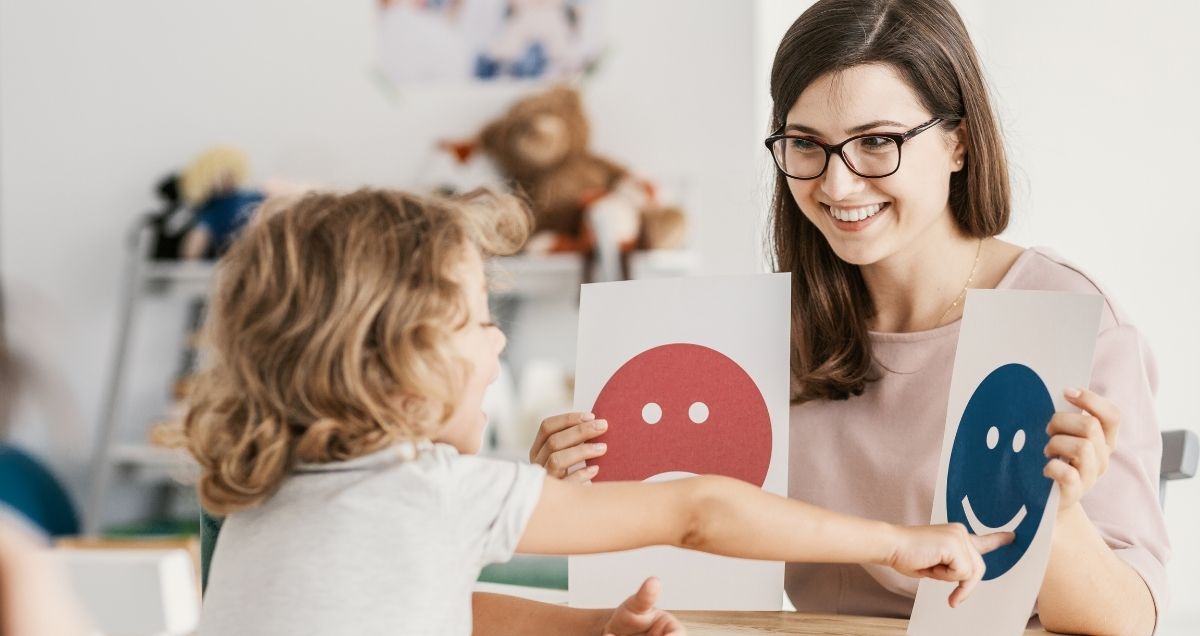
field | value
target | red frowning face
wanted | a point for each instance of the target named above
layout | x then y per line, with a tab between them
683	407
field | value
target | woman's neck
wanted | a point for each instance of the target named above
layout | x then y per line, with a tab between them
921	287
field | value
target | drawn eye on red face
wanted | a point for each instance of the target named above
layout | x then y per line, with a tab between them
683	408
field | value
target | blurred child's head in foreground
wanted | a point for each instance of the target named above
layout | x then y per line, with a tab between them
341	324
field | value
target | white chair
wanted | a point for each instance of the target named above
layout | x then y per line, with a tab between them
135	592
1180	454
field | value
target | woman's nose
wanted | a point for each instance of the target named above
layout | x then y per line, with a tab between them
839	182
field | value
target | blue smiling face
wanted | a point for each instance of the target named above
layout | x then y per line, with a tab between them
995	481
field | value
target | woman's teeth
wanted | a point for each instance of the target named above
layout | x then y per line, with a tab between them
852	215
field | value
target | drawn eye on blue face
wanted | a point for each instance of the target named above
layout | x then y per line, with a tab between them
995	481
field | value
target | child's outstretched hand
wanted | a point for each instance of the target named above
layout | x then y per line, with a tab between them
945	552
638	616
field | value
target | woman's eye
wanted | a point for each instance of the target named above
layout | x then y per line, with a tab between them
876	143
802	145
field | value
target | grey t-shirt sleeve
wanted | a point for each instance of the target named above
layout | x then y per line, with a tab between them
494	499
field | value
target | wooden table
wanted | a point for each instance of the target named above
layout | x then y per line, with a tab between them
749	623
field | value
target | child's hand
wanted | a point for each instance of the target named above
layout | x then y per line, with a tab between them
559	445
945	552
637	615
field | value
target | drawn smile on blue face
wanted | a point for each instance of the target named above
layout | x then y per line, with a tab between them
995	481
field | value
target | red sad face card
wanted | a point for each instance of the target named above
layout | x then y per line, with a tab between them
692	376
683	407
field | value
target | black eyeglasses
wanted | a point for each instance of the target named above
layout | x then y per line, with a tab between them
869	155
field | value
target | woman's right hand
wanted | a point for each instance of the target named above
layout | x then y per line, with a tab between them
562	445
945	552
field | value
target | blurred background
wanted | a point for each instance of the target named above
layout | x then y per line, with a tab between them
101	102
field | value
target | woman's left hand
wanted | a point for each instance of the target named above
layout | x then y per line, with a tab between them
1080	444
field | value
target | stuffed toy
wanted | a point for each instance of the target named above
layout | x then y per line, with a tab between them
171	222
581	202
214	185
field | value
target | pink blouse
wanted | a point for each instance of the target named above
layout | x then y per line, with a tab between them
876	455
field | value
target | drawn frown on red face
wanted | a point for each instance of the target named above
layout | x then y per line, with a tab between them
683	407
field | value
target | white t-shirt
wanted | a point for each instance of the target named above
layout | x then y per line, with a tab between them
391	542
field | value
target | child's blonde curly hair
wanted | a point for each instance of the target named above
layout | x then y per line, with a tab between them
329	333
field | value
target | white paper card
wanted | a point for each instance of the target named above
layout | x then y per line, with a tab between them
692	375
1017	352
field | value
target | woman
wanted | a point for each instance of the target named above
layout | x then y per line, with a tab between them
891	187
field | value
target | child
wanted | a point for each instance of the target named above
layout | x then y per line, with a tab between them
338	422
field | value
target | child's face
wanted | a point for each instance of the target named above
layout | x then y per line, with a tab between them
480	342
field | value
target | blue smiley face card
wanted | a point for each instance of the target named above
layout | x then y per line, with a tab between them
1017	352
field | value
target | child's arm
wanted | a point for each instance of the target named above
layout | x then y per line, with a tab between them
729	517
501	615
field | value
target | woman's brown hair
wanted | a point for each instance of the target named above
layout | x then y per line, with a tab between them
329	333
926	42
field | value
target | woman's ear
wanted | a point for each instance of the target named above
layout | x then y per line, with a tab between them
958	149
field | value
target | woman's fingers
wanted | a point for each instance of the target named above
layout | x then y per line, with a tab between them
583	475
573	436
1104	409
1078	425
1070	484
552	425
559	463
1079	453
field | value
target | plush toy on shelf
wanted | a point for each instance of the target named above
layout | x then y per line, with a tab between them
582	202
171	222
214	185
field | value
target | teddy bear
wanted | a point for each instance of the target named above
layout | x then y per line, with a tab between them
581	202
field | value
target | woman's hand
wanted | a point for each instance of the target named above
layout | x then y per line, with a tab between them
1080	444
561	445
637	615
945	552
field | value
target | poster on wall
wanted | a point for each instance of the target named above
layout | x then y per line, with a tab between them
1017	352
466	41
692	376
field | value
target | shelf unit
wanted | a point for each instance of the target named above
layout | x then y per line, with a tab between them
141	278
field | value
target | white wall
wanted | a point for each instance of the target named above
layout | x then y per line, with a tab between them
1098	103
98	100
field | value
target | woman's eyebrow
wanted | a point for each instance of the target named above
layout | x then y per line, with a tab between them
851	131
874	124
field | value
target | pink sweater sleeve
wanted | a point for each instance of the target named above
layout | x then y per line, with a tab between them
1124	503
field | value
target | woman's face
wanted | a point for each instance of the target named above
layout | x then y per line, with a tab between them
479	342
866	221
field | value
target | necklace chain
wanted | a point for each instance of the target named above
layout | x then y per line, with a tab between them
962	294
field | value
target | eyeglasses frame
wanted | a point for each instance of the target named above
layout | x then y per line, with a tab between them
830	150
